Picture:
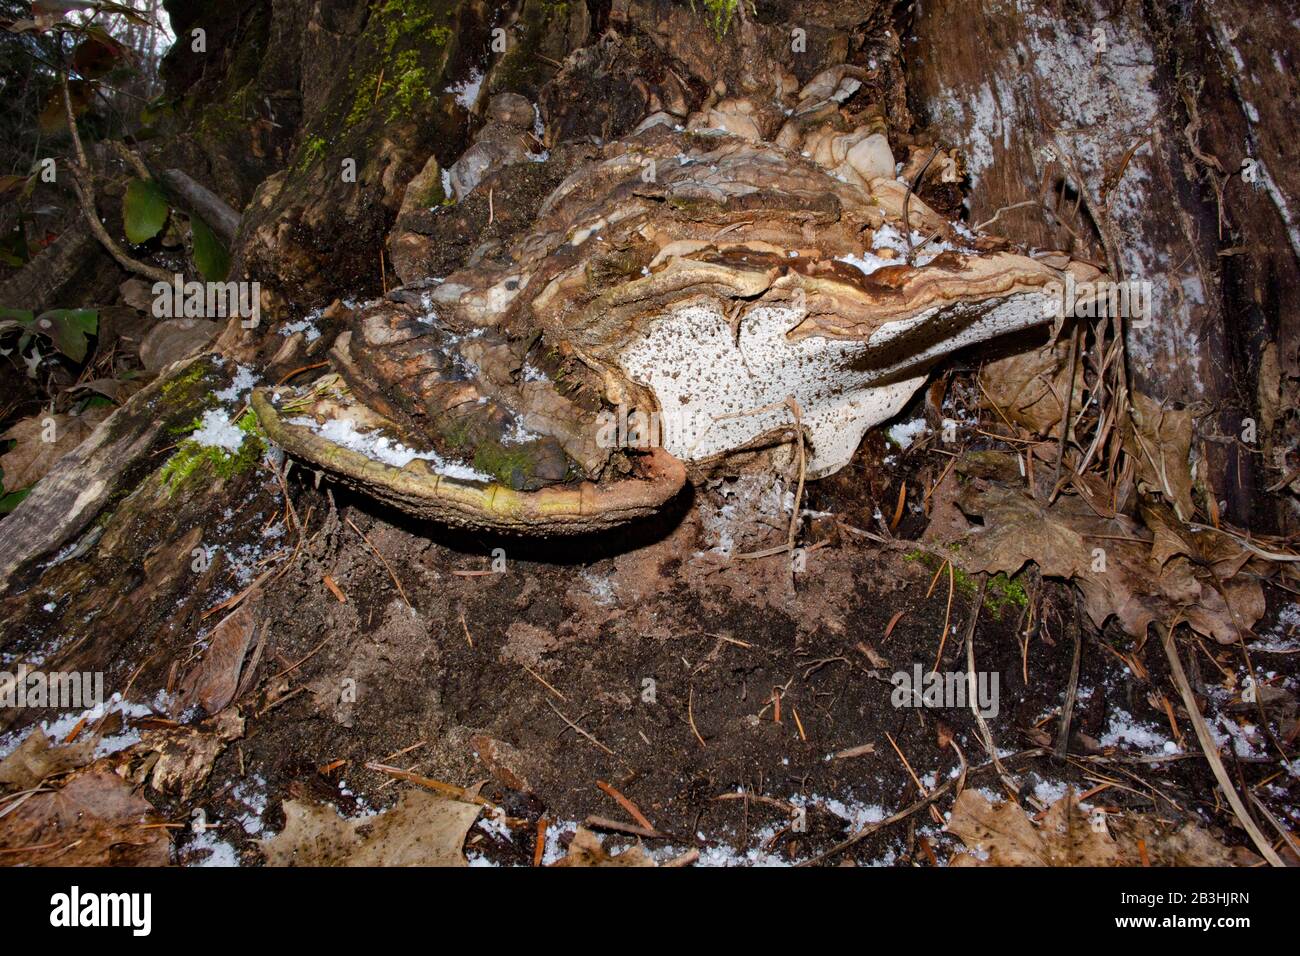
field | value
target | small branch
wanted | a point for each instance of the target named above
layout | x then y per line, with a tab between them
1072	688
86	199
907	202
206	204
998	215
578	729
1211	749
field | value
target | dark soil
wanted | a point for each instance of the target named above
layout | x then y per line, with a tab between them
598	620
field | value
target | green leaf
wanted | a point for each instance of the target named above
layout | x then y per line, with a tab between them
14	247
210	256
69	330
12	500
144	210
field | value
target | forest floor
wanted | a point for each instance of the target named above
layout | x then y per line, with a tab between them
747	709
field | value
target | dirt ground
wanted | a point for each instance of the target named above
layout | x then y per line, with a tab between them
719	694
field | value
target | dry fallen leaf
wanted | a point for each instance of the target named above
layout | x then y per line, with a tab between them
186	755
421	829
585	850
174	339
33	455
1028	387
35	759
1001	834
1159	440
1111	559
212	684
95	820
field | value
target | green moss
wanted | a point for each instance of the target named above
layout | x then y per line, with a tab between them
522	69
186	381
191	458
718	14
510	466
434	195
412	88
186	428
229	115
1001	592
409	42
312	150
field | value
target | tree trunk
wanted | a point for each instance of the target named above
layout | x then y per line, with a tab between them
1126	127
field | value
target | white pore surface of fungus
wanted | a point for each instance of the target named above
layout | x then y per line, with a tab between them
710	388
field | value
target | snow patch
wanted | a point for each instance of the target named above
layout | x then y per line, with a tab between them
379	447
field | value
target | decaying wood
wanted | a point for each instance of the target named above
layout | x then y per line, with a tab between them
67	499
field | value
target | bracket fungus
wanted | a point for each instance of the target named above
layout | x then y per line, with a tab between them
700	275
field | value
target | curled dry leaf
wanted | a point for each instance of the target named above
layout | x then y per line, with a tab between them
504	761
1160	440
118	390
186	755
213	682
1003	835
1028	388
36	758
421	829
174	339
585	850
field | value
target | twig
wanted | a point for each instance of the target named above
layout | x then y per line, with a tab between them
1287	838
541	680
539	848
690	714
1211	749
871	828
1065	415
605	823
611	791
797	412
298	663
391	574
578	729
86	199
947	617
907	766
985	733
1072	688
998	215
907	202
446	789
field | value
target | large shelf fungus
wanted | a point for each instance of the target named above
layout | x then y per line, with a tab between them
700	279
422	484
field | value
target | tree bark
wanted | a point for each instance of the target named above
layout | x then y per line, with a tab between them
1125	124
